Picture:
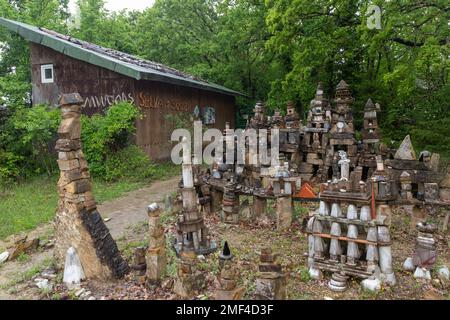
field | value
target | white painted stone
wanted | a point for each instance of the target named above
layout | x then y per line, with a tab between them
352	212
4	257
385	256
408	265
371	285
365	214
43	284
73	270
336	211
444	273
80	292
315	274
323	209
422	273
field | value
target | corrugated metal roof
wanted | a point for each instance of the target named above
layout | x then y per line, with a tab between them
122	63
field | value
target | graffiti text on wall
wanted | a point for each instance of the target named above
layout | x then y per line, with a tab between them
101	102
147	100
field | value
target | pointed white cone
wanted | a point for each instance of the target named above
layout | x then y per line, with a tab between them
336	211
335	247
352	232
365	214
318	245
352	212
73	270
372	234
336	229
317	226
324	210
353	250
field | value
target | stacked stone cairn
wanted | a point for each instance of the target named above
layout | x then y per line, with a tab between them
271	281
230	203
189	279
371	143
78	224
192	234
229	276
315	139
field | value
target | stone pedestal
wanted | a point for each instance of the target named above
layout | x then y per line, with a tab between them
259	206
271	282
156	253
425	253
189	280
284	213
78	224
229	289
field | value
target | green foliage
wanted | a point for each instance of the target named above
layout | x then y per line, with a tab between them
26	146
270	50
106	136
133	164
404	66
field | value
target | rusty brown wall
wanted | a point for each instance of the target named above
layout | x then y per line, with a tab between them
100	88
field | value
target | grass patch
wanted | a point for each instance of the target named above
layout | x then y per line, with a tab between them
30	273
29	204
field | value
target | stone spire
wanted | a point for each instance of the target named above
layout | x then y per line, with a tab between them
370	105
406	150
78	224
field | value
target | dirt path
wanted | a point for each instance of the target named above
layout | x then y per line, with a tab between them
130	209
124	212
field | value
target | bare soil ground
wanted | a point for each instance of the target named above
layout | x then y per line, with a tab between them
129	227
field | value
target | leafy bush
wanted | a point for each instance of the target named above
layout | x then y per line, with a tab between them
26	141
104	135
9	168
130	162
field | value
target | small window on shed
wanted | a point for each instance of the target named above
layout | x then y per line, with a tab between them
47	73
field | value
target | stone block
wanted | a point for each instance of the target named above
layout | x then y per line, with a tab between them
68	165
68	145
79	186
70	129
271	289
67	155
156	264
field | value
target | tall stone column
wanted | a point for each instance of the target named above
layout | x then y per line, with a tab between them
284	213
78	224
156	253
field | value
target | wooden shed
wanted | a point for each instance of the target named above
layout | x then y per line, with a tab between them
102	76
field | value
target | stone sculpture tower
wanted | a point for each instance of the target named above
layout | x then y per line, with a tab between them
342	131
315	140
370	140
78	224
